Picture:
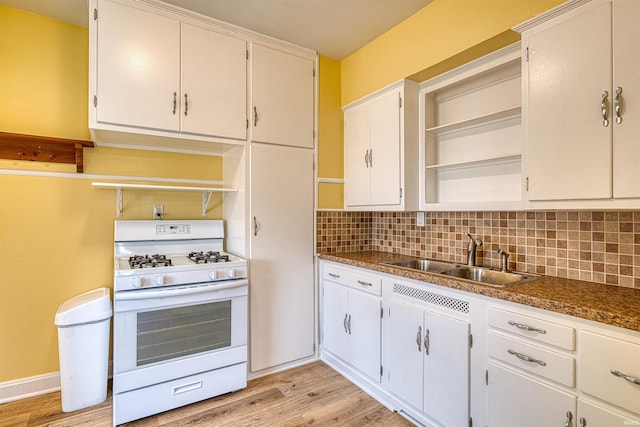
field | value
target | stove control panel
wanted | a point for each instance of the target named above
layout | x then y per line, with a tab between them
152	278
168	229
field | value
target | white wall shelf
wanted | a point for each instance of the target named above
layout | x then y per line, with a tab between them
120	186
502	159
472	122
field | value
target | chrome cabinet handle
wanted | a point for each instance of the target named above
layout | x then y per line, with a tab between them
255	116
344	323
527	358
255	226
526	327
371	157
617	105
349	324
426	342
366	158
629	378
364	283
335	276
186	104
175	102
418	341
569	418
583	422
603	107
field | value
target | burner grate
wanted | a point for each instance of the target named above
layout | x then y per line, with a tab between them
207	257
149	261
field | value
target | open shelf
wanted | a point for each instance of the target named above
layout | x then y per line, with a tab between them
497	116
471	163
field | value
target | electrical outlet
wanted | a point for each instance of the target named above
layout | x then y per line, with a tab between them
158	211
420	219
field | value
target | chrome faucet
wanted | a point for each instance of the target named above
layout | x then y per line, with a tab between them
471	249
503	260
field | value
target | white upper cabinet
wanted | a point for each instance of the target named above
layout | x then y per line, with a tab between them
380	149
282	87
580	84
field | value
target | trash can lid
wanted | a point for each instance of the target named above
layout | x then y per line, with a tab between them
88	307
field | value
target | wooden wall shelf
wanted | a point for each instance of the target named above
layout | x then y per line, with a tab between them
14	146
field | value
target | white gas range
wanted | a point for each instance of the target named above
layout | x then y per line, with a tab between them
180	316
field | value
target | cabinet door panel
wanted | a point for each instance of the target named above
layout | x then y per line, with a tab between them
626	142
356	147
384	142
214	77
569	149
516	400
405	343
446	370
281	274
597	416
282	97
365	327
138	68
335	312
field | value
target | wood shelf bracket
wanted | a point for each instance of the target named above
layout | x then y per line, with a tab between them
15	146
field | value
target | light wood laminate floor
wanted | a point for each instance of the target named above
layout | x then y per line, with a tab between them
313	395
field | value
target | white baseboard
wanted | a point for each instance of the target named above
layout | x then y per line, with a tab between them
29	387
23	388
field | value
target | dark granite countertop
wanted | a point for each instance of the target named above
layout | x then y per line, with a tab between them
613	305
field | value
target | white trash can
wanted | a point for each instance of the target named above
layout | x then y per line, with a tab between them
83	345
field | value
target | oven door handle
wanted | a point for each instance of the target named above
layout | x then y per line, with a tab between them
174	292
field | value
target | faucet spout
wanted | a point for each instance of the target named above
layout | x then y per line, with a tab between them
474	243
503	260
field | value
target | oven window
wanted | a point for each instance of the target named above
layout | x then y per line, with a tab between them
177	332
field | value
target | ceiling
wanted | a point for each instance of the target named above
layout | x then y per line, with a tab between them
334	28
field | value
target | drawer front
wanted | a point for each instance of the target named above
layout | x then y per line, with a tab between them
533	328
537	360
366	283
599	355
335	274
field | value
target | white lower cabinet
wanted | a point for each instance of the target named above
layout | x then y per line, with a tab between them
429	362
352	327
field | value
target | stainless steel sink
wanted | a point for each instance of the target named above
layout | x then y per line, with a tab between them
483	275
488	276
430	265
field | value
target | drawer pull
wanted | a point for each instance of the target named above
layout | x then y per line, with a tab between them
527	327
364	283
335	276
187	388
344	323
527	358
626	377
418	340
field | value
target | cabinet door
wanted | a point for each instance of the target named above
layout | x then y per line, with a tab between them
214	83
569	68
356	161
626	57
138	67
446	369
518	400
597	416
335	315
405	343
281	255
384	143
283	101
364	330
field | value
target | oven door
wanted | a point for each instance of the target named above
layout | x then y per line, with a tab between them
167	333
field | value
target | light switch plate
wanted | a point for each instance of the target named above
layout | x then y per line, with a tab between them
420	219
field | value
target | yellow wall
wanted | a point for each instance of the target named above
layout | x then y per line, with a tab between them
441	30
330	135
56	232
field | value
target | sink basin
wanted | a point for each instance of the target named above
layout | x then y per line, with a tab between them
489	277
430	265
482	275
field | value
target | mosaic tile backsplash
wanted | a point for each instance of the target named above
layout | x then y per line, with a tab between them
597	246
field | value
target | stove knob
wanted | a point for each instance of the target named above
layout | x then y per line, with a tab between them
213	275
136	282
159	280
231	273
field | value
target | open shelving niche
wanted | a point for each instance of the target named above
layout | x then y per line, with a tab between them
471	143
206	191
